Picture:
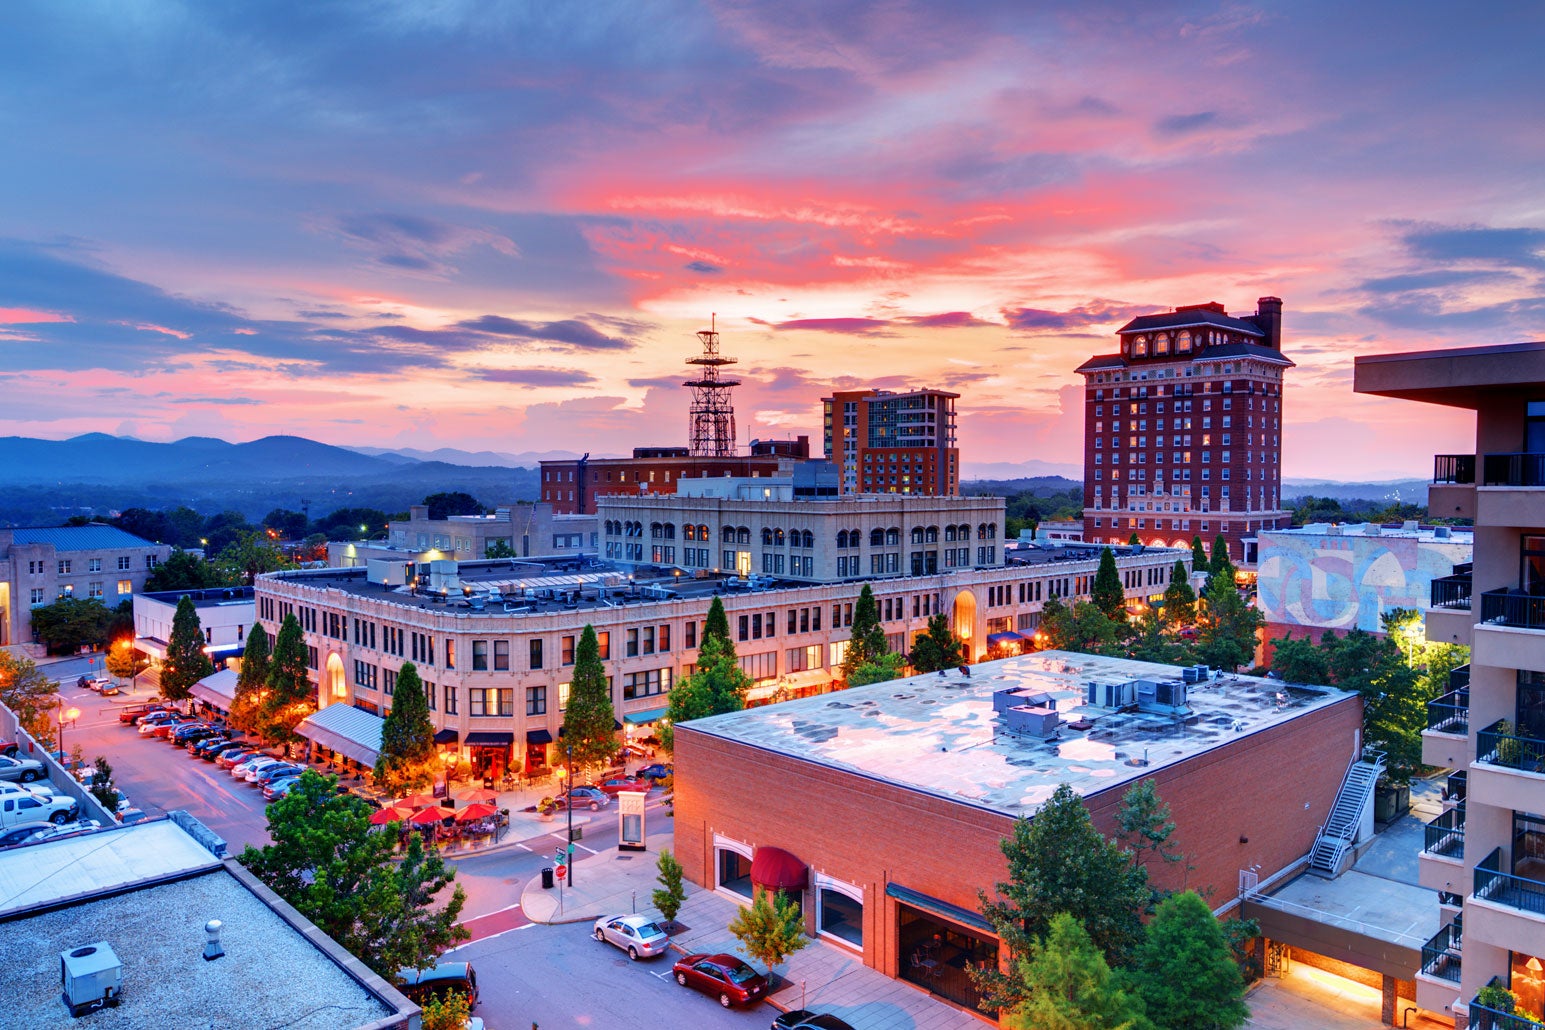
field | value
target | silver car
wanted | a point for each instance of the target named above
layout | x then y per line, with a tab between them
24	769
639	936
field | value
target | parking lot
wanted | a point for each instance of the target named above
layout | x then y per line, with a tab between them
156	776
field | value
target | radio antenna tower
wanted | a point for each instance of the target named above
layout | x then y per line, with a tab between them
713	415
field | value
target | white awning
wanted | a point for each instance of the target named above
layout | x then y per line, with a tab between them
352	732
218	689
151	646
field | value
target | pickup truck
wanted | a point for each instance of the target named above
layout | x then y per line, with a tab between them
16	808
130	713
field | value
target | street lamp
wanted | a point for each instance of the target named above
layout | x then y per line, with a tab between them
569	805
65	713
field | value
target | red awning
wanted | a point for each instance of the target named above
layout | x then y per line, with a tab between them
778	870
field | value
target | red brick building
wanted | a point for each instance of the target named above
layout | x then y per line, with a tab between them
881	809
1183	429
572	485
884	442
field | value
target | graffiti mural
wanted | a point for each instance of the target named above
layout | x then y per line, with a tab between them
1341	577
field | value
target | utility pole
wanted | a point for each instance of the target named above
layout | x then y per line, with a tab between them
568	807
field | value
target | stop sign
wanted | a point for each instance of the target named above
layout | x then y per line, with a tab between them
561	871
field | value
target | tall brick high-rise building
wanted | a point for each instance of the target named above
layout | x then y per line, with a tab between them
897	443
1183	429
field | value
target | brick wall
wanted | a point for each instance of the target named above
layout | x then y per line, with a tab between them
1272	788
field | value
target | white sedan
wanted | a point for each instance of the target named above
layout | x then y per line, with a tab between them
639	936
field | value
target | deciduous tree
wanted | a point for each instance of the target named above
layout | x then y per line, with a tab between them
28	693
1299	661
1068	985
407	760
671	894
1144	827
185	663
771	929
327	861
589	723
248	556
1227	625
444	505
1184	972
937	647
71	623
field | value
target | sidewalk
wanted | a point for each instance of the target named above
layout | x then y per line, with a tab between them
822	976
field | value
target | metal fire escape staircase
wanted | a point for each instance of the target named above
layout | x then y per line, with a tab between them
1347	815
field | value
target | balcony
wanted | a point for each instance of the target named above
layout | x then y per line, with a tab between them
1450	713
1484	1017
1451	592
1523	469
1508	771
1453	468
1446	834
1440	956
1513	608
1455	787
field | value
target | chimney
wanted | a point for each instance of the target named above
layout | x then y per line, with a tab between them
418	512
1268	315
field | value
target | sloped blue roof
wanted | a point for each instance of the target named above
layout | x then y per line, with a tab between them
80	538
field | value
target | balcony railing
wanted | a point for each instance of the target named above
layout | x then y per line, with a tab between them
1457	786
1453	468
1524	469
1451	592
1484	1017
1513	608
1459	678
1440	956
1492	884
1450	713
1446	834
1498	745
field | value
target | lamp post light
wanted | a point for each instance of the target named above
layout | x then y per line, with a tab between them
569	805
70	714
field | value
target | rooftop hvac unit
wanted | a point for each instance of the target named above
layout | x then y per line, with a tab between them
1162	695
91	977
1191	674
1031	721
1113	695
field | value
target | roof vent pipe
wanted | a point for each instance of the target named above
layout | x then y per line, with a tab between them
212	948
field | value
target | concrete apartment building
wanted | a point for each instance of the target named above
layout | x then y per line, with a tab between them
893	442
526	529
39	566
494	640
1485	856
1183	429
919	780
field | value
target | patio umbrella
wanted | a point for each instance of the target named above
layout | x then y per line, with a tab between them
478	795
389	815
417	801
476	810
429	815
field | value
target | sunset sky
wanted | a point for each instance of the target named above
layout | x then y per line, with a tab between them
496	225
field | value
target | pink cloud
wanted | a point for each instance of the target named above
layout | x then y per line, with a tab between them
26	316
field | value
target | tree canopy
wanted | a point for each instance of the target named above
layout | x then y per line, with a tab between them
1108	595
937	647
444	505
328	862
867	644
1068	985
289	699
252	680
1185	972
30	694
407	760
183	571
71	623
1179	598
1227	625
589	722
716	686
770	929
185	663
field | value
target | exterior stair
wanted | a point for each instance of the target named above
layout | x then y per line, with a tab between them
1328	856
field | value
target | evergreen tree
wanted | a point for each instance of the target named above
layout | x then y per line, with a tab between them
770	930
252	680
1228	625
1199	560
1219	564
716	686
407	760
1082	628
867	643
1108	594
1144	827
186	663
937	647
1133	540
1058	862
716	627
1299	661
589	724
289	699
1184	971
328	862
102	785
1150	641
1179	598
672	894
1068	985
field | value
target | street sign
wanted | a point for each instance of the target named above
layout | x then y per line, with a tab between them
561	871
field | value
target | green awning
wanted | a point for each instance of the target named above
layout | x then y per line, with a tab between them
649	715
954	913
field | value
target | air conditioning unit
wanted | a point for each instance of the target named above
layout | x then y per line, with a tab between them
1113	695
91	977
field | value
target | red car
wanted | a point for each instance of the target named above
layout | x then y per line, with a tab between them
725	977
617	784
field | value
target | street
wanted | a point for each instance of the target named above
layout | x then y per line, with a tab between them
559	976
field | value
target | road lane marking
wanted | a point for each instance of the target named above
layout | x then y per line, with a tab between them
593	851
495	912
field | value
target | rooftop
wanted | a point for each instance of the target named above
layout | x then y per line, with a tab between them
1405	531
1461	377
941	735
80	538
92	863
210	598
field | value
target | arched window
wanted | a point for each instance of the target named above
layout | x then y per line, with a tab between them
767	536
778	537
842	538
670	531
1183	342
655	532
917	534
689	532
965	532
702	532
807	539
742	535
949	534
893	536
728	535
931	535
876	537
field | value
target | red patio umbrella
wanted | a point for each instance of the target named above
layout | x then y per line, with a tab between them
389	815
417	801
477	810
478	795
429	815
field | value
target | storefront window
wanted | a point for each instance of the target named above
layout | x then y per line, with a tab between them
842	916
735	872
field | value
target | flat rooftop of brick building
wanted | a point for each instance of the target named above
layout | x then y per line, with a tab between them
943	735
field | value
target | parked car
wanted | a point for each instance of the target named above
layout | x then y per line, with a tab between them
23	770
617	784
234	757
657	772
282	771
422	984
241	768
8	748
277	788
35	789
804	1019
586	797
190	731
166	727
15	808
21	833
132	713
203	745
725	977
264	771
130	816
102	685
639	936
151	720
209	752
